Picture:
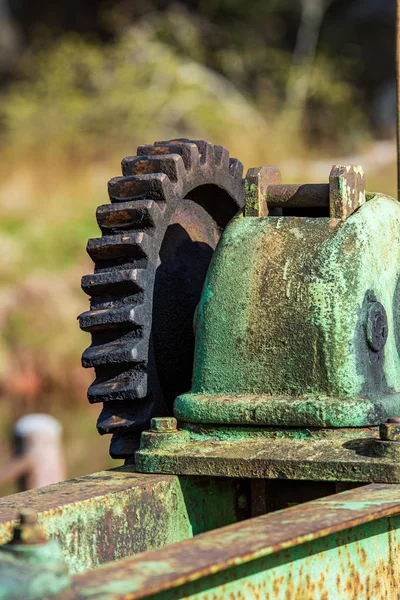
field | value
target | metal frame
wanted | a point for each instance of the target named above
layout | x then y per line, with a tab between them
343	546
346	545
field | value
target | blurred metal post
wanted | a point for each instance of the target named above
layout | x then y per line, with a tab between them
398	94
38	444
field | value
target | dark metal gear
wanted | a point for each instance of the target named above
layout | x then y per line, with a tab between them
166	215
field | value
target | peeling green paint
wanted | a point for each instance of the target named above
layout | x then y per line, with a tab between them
112	514
343	546
283	315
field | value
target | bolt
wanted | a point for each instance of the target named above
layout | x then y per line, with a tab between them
27	516
376	325
28	530
163	424
390	431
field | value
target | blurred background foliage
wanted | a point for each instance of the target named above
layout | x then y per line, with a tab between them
298	83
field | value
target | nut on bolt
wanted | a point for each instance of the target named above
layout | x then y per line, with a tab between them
163	424
376	325
28	530
390	431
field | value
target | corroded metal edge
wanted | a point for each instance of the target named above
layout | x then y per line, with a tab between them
94	518
112	514
340	456
71	491
236	545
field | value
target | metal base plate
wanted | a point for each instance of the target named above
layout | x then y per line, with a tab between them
292	453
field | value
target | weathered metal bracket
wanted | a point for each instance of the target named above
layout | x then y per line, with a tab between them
342	196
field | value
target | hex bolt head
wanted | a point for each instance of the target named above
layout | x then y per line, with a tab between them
390	431
163	424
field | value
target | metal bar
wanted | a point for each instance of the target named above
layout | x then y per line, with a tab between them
112	514
310	195
342	546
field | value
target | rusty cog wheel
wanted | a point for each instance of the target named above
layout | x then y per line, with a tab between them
166	215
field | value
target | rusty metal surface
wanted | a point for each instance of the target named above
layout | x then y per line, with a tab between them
112	514
257	183
95	518
346	190
314	195
28	530
294	453
342	546
158	236
339	198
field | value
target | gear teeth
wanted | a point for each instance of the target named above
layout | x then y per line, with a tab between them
139	214
221	156
128	385
171	164
187	150
206	151
121	351
133	226
127	317
155	186
116	417
235	168
122	281
121	245
108	422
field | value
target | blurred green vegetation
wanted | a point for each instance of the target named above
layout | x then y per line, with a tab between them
79	96
76	108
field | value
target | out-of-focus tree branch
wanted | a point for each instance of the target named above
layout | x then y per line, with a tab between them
298	83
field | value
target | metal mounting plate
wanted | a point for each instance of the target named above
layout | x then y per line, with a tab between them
315	455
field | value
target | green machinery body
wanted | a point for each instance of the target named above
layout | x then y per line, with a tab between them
278	476
284	321
297	346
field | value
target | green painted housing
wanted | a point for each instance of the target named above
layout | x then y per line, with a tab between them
285	318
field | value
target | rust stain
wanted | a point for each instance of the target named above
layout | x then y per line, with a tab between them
237	545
